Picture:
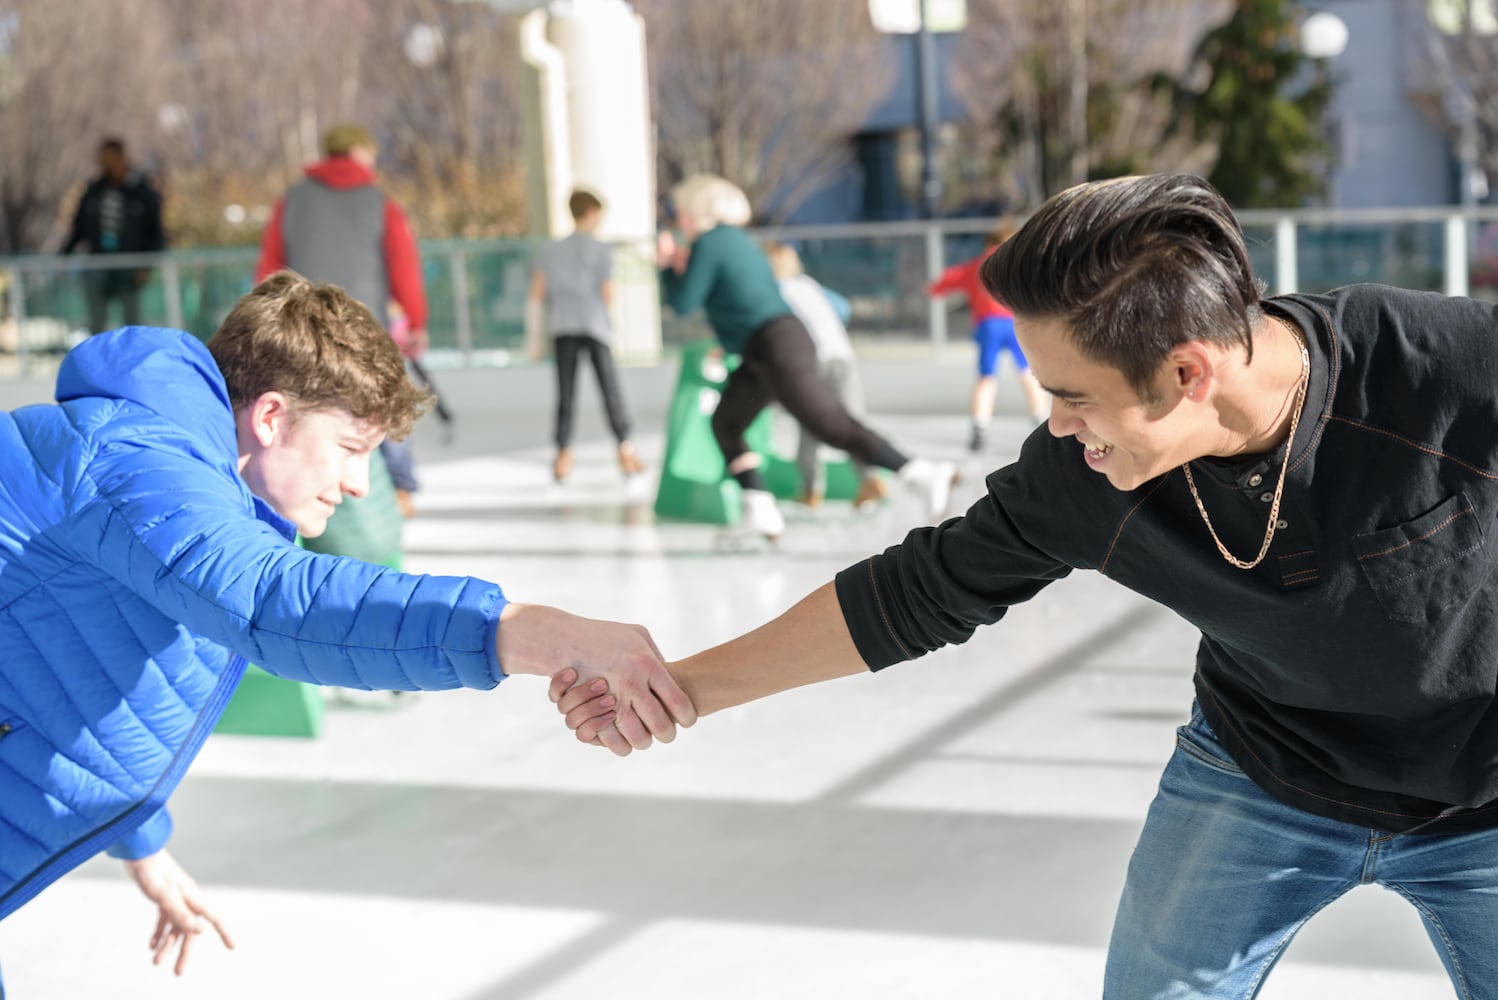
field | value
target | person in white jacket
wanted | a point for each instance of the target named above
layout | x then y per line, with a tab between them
837	365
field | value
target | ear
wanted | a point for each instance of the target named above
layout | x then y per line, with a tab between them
1193	369
268	418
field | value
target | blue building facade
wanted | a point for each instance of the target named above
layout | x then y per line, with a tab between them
1390	152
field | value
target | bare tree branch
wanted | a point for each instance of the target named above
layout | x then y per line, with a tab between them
763	93
1022	70
1455	73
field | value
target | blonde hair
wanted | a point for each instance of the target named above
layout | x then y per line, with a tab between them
319	347
712	201
784	260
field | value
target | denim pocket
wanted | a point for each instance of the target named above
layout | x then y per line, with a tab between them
1423	567
1197	739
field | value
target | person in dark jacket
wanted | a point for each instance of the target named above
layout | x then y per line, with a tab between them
1312	482
120	212
147	526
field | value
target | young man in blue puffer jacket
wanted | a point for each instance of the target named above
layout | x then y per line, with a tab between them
147	526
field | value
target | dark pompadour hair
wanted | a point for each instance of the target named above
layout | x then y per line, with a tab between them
1132	267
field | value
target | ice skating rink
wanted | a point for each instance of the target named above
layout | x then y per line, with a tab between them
957	826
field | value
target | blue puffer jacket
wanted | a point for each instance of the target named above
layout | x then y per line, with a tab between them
134	566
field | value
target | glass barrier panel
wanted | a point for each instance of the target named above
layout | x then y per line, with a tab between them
1406	254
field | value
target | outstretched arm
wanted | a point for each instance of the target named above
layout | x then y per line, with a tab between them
807	644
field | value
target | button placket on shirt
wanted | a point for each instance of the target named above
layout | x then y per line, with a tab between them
1258	484
1294	548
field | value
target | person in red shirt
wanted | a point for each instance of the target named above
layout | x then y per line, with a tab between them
993	329
337	226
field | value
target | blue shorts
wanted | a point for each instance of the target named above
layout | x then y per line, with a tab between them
995	334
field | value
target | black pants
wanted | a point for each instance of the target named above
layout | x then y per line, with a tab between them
569	346
779	365
103	287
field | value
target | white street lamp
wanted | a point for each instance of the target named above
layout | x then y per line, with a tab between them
1323	35
423	45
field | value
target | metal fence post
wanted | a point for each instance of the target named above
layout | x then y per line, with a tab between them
1457	269
457	260
1286	266
171	280
18	310
936	308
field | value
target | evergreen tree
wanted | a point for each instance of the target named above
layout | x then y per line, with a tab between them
1264	102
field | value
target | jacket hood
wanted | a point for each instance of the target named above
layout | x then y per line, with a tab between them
166	371
341	172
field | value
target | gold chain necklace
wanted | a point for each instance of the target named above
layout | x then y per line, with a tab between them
1279	487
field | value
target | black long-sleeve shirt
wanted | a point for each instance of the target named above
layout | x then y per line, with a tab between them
1354	672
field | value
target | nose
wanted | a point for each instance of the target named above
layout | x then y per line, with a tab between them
356	476
1062	423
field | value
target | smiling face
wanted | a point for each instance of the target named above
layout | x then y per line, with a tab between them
303	462
1122	436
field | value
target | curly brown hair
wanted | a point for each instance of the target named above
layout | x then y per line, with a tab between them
319	347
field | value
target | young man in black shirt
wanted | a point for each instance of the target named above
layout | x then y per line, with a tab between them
1312	481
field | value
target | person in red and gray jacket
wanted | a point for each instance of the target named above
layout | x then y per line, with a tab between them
337	225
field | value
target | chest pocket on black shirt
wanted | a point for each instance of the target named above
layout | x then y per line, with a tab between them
1422	567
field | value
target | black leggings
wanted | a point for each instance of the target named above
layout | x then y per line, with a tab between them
779	365
569	349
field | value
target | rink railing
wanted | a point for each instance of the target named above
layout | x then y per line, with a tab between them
476	289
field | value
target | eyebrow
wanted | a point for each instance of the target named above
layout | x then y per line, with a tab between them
1068	394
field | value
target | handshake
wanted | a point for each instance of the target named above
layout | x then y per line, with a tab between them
615	689
619	722
608	679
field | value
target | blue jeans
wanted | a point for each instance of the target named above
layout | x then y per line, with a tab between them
401	462
1224	876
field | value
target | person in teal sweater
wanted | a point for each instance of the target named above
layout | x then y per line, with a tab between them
721	270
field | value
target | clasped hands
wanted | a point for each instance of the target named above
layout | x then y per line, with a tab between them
615	691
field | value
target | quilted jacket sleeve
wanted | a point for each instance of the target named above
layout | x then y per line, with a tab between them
180	533
145	840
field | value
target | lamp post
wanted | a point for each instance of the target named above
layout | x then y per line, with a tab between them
925	68
923	19
1323	37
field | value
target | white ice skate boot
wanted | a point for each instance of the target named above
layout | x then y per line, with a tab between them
931	482
762	515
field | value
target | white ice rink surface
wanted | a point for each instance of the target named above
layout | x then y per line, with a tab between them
953	827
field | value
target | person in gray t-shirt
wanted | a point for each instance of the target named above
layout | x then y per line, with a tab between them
573	280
